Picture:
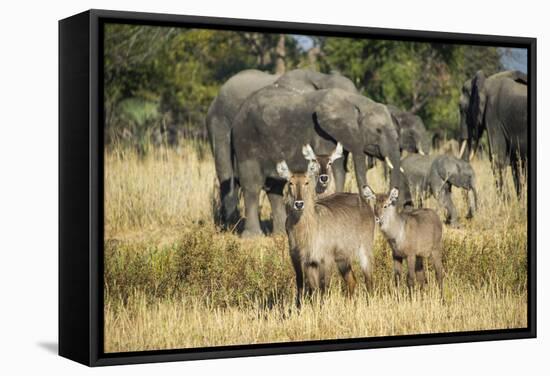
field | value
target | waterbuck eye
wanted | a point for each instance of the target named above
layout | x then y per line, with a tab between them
307	183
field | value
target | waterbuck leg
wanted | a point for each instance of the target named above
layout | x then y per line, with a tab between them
297	264
411	266
312	278
397	271
366	262
419	269
322	277
345	270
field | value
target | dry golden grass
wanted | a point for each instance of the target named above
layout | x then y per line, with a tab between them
174	280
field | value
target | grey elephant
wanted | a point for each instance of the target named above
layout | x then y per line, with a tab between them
413	135
497	105
223	109
276	122
219	119
436	175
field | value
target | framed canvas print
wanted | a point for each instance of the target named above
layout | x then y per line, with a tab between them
237	187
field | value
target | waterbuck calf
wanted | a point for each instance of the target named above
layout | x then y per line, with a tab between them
321	232
321	166
413	234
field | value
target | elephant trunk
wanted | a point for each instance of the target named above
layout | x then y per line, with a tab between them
393	161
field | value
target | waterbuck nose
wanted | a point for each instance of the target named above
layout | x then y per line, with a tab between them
298	205
323	178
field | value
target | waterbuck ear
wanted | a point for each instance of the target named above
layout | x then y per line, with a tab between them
368	193
337	153
394	194
308	153
283	170
312	168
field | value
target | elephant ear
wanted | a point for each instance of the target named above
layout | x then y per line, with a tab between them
339	119
396	121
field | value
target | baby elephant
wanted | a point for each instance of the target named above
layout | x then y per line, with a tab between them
437	175
413	234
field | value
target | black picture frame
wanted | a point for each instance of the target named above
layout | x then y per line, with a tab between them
81	188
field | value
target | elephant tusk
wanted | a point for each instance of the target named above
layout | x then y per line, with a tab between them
401	169
419	147
472	154
388	162
462	148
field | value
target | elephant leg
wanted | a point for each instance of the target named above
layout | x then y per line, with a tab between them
278	211
252	180
339	172
498	171
405	191
472	201
229	189
500	156
518	170
251	200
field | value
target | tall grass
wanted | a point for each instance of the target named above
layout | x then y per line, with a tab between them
174	280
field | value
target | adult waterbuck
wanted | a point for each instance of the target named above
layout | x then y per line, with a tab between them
334	229
413	234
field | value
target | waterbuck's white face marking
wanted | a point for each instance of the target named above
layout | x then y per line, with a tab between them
321	165
298	185
382	202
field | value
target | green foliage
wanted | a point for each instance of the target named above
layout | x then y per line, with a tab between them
202	263
179	71
424	78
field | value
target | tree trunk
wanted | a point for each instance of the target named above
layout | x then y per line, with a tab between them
280	53
312	56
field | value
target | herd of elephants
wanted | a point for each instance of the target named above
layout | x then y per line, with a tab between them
259	119
291	135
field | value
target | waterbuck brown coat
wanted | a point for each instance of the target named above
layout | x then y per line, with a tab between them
334	229
413	234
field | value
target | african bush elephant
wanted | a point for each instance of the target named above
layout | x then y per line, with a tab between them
498	105
223	109
219	119
412	132
437	175
276	122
